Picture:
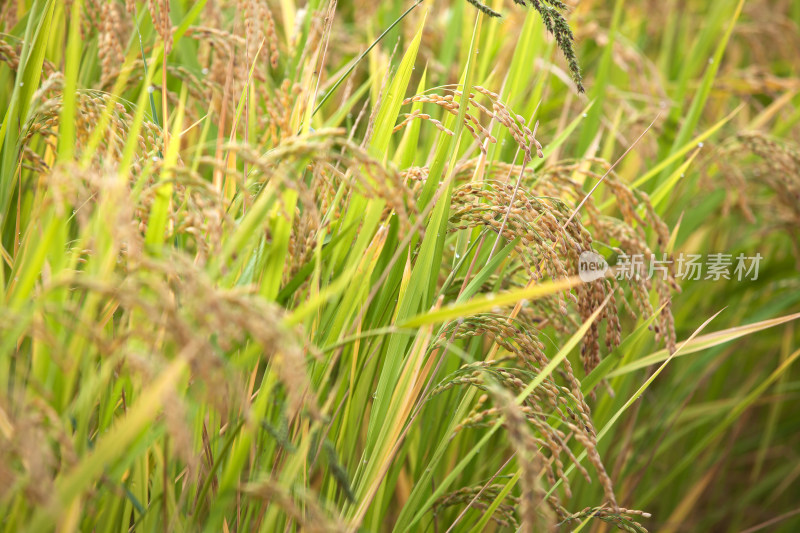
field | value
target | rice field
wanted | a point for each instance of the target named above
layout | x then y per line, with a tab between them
420	266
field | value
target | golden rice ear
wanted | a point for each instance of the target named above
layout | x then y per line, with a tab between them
483	112
535	515
159	14
109	41
547	402
481	497
46	113
777	171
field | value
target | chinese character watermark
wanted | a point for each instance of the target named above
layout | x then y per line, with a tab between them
692	267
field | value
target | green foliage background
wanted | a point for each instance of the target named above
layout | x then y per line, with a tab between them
238	290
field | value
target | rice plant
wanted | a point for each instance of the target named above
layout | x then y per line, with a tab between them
427	266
